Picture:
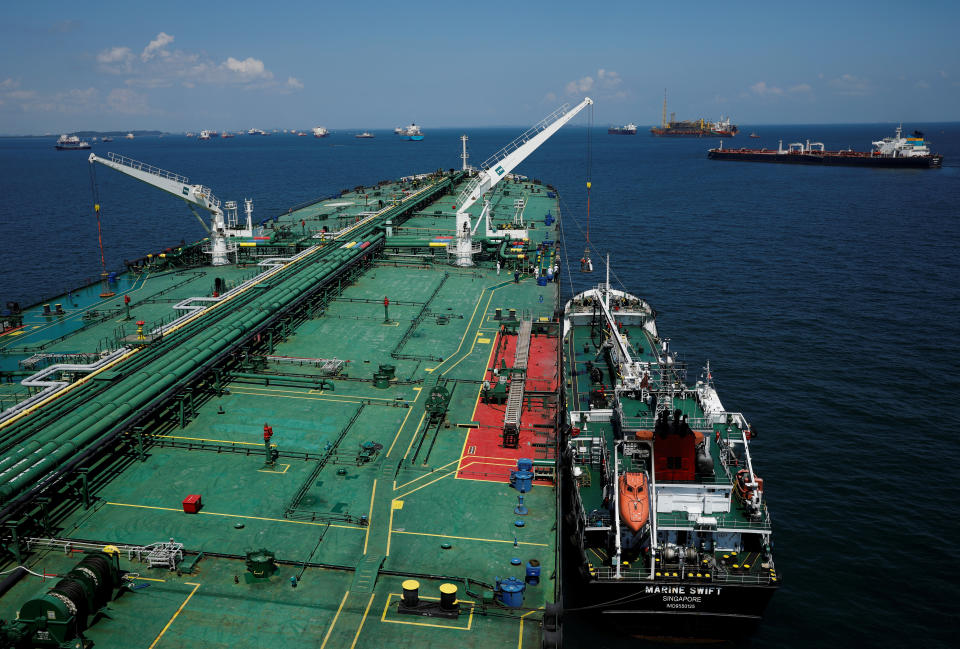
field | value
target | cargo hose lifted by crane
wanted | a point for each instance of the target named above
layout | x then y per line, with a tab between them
224	222
495	168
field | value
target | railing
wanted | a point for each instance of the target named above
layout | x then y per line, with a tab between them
724	520
207	194
647	422
143	166
525	137
606	573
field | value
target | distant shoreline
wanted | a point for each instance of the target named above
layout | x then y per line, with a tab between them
744	127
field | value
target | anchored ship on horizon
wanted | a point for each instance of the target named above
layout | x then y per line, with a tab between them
890	152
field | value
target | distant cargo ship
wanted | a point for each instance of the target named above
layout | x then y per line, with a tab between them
365	135
626	129
71	142
695	128
320	132
897	151
412	132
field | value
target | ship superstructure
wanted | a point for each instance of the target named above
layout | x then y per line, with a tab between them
71	142
411	132
626	129
665	517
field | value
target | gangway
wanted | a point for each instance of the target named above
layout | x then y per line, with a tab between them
511	417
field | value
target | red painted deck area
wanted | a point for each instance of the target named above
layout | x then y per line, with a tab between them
484	457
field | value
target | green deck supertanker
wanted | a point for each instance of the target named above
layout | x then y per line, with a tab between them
349	435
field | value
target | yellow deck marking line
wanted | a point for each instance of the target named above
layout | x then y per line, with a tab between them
390	596
393	508
445	475
520	638
474	344
286	468
476	402
334	623
195	587
253	518
362	620
491	480
464	337
425	475
470	538
203	439
366	537
162	581
412	438
267	388
305	397
402	423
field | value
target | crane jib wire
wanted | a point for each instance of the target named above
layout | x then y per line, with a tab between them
96	208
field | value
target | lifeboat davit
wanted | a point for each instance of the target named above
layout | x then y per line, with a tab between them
634	500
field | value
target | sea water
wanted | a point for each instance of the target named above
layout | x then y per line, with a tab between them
826	299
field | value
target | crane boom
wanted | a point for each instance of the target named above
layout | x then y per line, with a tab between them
161	179
198	195
502	163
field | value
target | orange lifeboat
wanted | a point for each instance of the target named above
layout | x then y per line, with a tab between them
634	500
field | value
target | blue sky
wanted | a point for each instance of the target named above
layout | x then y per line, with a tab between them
179	66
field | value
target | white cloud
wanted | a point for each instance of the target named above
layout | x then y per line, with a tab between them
248	69
943	74
550	97
9	84
762	89
22	94
160	67
582	85
801	87
608	78
156	46
115	55
604	84
848	84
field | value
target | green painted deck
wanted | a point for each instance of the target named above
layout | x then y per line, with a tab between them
354	527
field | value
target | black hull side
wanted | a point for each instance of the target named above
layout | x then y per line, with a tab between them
918	162
672	610
692	610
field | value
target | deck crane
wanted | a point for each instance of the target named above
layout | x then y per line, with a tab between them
498	166
223	221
